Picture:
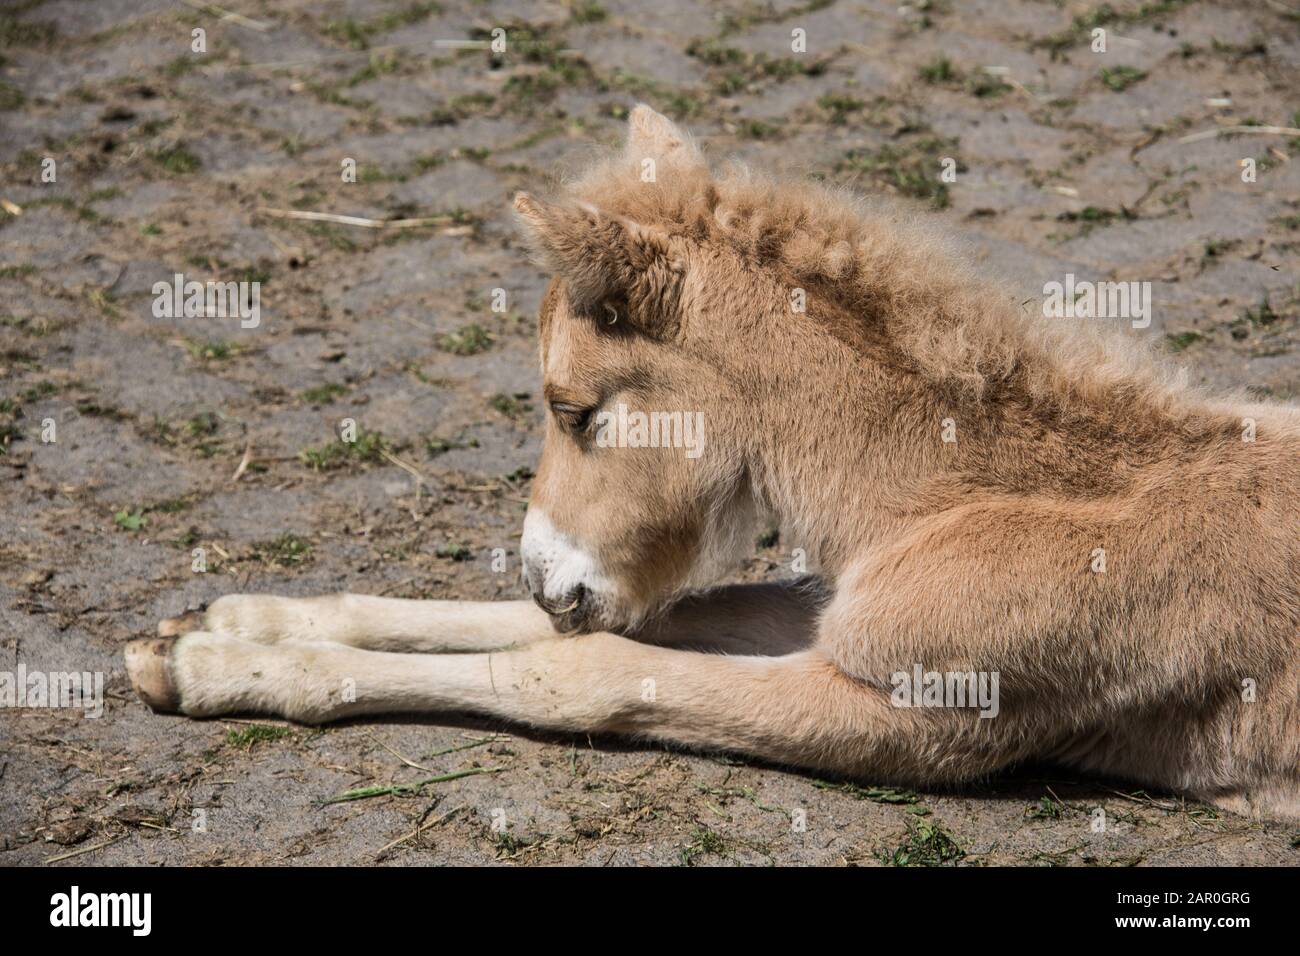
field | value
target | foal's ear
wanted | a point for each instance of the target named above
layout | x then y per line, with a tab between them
653	136
613	270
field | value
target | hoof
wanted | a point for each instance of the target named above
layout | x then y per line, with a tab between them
176	626
149	665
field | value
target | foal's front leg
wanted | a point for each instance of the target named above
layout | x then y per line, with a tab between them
372	623
773	618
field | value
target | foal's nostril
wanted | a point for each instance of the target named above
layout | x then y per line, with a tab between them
575	599
570	604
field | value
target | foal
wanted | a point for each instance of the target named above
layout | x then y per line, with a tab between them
990	500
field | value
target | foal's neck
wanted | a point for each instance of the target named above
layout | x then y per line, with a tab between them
874	449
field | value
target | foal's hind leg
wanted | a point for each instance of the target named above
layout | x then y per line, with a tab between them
797	709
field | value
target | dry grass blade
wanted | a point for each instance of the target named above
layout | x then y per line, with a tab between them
420	828
355	220
1226	130
243	463
404	465
405	760
85	849
223	14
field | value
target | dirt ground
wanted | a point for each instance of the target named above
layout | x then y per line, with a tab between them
168	161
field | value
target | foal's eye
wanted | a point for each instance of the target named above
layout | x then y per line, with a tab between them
575	418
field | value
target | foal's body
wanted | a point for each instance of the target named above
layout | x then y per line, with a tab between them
979	496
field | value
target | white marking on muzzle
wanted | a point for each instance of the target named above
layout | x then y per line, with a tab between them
553	558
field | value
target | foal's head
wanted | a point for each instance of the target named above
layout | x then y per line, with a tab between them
715	347
643	488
